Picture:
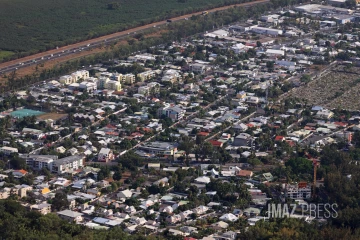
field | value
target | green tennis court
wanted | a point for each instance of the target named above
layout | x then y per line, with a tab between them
25	113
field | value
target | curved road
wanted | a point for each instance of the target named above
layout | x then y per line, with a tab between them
73	48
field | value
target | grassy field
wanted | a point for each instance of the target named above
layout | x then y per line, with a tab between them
5	54
43	24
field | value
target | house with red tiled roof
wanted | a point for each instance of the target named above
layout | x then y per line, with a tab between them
109	126
216	143
279	138
341	124
112	133
309	128
203	134
244	173
291	143
145	129
137	135
19	173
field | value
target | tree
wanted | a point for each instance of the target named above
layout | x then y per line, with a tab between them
60	201
113	5
117	176
305	78
299	165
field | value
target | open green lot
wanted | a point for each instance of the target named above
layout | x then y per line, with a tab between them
5	54
42	24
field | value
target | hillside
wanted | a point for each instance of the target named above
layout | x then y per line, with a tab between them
36	25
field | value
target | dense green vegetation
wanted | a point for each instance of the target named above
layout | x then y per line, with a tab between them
37	25
5	54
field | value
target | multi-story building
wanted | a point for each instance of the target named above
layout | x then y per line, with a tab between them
70	216
197	68
105	155
129	78
159	148
146	75
68	164
299	190
152	87
144	90
102	83
88	86
81	74
43	208
243	139
38	162
67	79
8	150
175	113
113	85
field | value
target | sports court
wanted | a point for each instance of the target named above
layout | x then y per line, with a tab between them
25	113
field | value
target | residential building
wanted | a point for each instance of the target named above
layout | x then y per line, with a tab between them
68	164
8	150
124	194
102	83
198	68
43	208
175	113
105	155
19	173
4	193
324	114
129	78
82	74
70	216
243	139
21	190
113	85
67	79
146	75
159	148
88	86
298	191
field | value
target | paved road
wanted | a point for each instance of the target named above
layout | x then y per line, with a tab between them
88	44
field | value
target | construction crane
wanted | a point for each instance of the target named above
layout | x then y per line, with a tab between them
315	164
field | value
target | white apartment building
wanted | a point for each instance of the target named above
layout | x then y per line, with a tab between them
67	79
88	86
68	164
298	191
81	74
8	150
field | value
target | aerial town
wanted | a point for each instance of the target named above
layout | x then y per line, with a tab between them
194	139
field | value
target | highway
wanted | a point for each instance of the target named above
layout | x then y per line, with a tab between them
96	42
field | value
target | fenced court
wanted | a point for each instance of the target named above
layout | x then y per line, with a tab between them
25	113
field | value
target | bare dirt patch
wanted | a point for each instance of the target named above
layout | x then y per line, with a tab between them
53	116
